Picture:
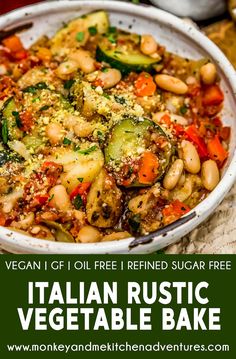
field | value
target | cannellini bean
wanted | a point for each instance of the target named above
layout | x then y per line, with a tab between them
83	129
190	157
88	234
24	223
172	84
210	175
183	192
173	175
148	44
42	232
84	61
54	132
109	78
208	73
66	68
156	117
8	201
59	198
115	236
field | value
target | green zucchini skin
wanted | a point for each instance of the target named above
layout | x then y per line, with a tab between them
126	143
124	68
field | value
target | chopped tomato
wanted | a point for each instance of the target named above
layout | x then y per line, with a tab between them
15	46
144	85
166	119
212	96
217	151
81	189
41	198
178	129
148	168
174	210
13	43
194	136
26	120
224	133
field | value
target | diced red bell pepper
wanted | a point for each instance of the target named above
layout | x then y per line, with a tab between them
42	198
174	210
81	189
217	151
193	135
225	133
212	96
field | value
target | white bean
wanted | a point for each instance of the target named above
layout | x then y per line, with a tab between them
66	68
83	129
210	175
109	78
84	61
190	157
208	73
88	234
172	84
148	44
54	132
59	198
173	175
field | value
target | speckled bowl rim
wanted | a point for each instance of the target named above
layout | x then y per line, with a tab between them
19	243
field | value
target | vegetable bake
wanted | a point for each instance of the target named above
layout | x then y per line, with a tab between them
105	134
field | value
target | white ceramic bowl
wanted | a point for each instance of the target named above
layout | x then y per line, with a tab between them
179	37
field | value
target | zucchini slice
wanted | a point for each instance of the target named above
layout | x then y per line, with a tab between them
124	55
9	121
67	36
131	142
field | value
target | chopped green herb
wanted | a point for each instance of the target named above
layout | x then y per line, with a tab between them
183	109
4	131
112	38
50	198
105	69
92	30
106	96
76	147
66	141
100	136
17	118
33	89
44	108
88	150
36	99
80	179
119	99
93	87
80	36
68	84
112	30
135	1
78	202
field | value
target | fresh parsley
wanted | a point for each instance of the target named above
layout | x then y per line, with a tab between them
44	108
66	141
78	202
80	36
68	84
92	30
88	150
33	89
